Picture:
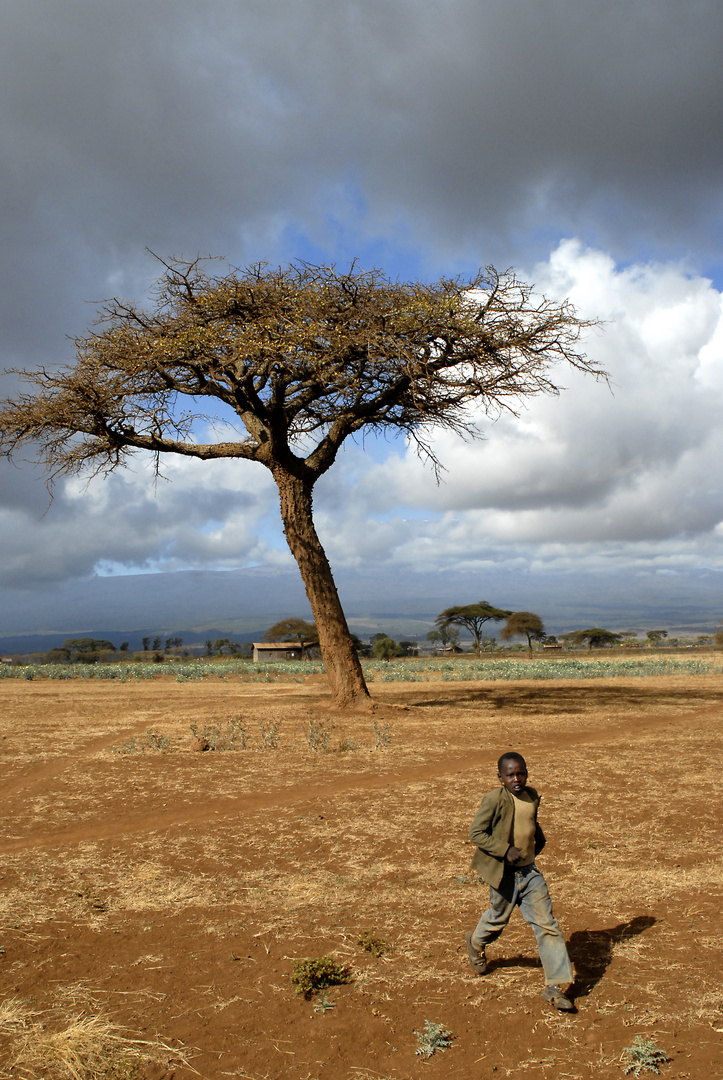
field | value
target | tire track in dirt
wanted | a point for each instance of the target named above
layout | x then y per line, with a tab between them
299	794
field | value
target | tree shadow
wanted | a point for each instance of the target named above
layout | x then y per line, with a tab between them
592	950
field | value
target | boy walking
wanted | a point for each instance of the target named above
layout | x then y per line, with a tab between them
508	837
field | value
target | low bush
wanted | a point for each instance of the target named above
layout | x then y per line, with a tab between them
316	973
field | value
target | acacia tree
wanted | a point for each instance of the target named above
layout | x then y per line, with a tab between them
524	624
303	357
596	638
472	617
293	629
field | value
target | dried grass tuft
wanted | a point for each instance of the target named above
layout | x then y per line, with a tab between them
85	1048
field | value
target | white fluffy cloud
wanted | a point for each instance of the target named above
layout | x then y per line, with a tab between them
625	475
628	468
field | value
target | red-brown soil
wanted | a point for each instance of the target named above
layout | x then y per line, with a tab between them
168	892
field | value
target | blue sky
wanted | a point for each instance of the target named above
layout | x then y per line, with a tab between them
578	143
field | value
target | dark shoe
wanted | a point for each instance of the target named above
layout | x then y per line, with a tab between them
555	996
477	957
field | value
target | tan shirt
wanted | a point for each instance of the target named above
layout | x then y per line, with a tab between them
523	828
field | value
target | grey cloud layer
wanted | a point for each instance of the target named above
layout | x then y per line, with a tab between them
443	135
471	130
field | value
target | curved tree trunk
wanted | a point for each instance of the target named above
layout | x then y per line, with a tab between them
340	658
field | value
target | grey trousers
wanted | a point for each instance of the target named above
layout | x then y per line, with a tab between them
527	889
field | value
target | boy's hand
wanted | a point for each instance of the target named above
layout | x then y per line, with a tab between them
513	854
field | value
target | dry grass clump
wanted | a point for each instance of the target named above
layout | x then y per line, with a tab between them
76	1047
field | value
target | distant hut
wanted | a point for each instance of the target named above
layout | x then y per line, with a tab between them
274	652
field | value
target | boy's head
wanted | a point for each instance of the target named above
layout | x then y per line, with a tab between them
512	771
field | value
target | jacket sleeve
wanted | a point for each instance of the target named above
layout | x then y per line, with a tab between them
481	830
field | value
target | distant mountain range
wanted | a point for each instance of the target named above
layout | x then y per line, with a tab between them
241	604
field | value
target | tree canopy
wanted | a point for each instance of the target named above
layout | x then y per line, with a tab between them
472	617
595	638
292	630
301	358
385	648
524	624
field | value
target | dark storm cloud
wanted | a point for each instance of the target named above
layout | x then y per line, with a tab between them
483	126
429	135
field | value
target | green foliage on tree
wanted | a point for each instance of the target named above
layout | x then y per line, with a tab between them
362	647
292	630
656	636
472	617
58	655
224	647
304	357
446	637
595	638
85	650
385	648
88	645
524	624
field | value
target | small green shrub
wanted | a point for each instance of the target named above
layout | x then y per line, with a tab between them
643	1054
316	973
324	1004
432	1038
372	944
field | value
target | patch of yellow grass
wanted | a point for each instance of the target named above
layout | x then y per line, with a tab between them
80	1046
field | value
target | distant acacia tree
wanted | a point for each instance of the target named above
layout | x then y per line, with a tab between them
302	357
472	617
524	624
596	638
87	650
656	636
292	630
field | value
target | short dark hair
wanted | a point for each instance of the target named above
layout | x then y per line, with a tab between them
511	757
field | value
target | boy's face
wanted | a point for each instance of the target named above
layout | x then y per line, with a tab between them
513	775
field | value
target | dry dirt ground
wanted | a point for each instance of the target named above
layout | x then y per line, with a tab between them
151	903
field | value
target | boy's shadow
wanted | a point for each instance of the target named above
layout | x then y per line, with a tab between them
592	950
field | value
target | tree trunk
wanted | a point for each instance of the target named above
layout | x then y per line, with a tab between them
340	658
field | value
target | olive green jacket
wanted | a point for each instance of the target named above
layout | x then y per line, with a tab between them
491	831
